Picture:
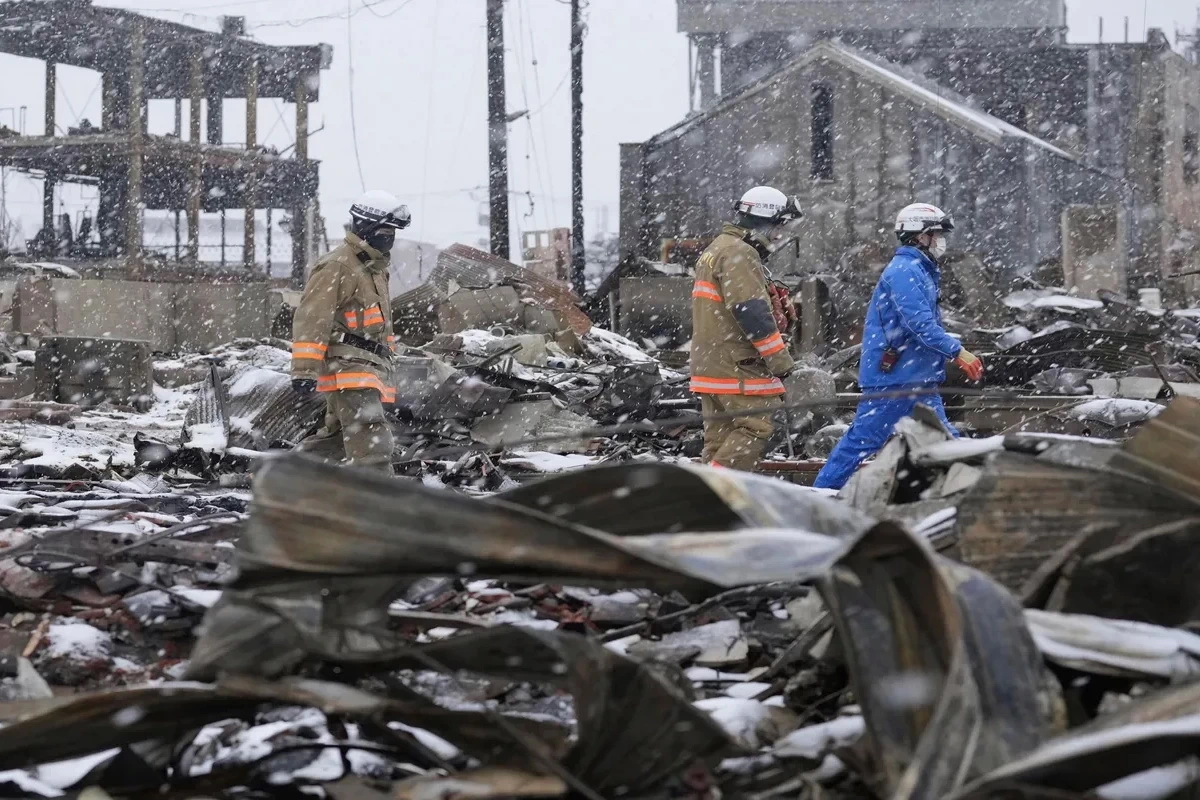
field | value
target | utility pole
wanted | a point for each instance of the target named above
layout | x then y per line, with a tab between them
578	249
497	130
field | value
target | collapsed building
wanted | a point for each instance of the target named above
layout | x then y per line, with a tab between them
177	177
1070	164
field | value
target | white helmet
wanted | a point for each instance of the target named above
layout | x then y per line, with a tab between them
382	207
770	204
921	218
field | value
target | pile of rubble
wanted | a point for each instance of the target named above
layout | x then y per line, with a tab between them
1006	617
589	613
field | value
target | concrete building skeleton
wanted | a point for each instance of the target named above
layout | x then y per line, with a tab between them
142	59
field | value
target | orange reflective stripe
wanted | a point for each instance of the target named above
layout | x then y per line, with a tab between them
351	319
771	345
309	350
706	290
355	380
756	386
715	386
767	386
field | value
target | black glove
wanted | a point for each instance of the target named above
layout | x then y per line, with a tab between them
306	387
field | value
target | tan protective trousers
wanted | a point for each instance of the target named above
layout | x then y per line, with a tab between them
356	431
737	443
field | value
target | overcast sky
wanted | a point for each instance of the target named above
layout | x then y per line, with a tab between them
420	98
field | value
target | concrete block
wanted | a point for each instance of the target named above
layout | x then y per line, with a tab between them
1094	254
207	315
115	309
481	309
656	308
33	306
92	370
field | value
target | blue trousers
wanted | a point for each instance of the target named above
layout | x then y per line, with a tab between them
872	427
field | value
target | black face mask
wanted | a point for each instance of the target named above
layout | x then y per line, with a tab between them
382	240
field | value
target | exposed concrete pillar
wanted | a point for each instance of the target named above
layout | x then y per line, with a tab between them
51	96
196	178
137	142
1094	252
706	55
632	238
49	232
813	297
299	229
252	158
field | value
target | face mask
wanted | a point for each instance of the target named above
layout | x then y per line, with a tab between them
780	236
382	240
937	248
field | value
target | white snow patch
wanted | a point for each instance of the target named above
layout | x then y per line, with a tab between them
952	450
250	379
1116	411
816	741
748	721
59	448
547	462
601	344
201	597
207	436
76	639
1066	302
708	674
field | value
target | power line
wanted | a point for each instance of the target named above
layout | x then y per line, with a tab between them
350	12
537	87
350	72
531	155
429	119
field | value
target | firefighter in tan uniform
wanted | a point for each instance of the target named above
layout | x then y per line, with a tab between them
739	355
343	341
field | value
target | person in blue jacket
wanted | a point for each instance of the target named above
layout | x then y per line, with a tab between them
904	344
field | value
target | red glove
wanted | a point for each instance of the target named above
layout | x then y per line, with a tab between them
781	307
970	364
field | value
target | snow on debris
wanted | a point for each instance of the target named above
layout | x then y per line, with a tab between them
1066	302
547	462
253	378
75	639
816	741
608	345
1116	411
56	447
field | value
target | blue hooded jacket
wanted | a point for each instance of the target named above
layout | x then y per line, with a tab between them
904	314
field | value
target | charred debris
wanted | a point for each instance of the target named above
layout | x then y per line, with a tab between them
553	601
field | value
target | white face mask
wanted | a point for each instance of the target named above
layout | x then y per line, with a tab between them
937	248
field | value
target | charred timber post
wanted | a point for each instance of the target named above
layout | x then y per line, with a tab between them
137	142
497	130
299	232
196	179
578	247
251	164
49	232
